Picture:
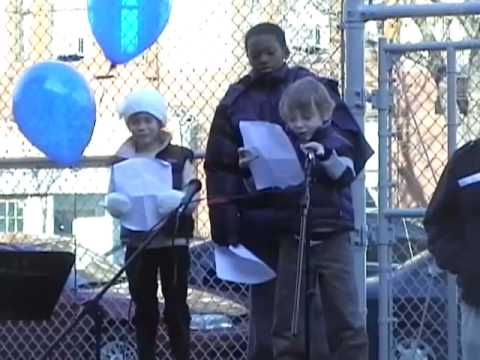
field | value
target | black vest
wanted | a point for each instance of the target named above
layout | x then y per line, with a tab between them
176	156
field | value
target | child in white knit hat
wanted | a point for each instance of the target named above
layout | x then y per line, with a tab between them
145	114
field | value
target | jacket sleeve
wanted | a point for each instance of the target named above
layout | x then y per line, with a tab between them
348	127
442	221
346	124
223	178
336	167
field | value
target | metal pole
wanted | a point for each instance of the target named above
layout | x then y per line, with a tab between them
433	46
452	144
383	12
355	99
383	105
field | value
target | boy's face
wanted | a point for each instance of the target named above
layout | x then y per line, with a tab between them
144	127
303	123
265	53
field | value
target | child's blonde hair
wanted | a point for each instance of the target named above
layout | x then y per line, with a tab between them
303	95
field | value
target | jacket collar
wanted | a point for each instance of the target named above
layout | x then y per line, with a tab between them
280	74
127	149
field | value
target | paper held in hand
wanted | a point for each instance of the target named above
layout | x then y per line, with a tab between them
277	164
238	264
145	182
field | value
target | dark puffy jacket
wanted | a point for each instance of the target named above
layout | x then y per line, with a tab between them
452	220
330	199
257	98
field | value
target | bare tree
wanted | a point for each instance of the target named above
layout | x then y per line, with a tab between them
417	166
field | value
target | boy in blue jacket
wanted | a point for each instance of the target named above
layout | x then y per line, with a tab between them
339	332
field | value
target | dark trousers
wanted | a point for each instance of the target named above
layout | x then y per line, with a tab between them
260	346
337	328
173	264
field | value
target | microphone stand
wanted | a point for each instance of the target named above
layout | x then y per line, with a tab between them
303	260
92	307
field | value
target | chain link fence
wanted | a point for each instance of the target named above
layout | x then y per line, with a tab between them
44	207
201	51
417	153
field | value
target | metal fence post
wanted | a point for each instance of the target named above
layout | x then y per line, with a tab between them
383	184
452	144
355	99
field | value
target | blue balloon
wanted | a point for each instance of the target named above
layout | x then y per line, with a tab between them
126	28
55	109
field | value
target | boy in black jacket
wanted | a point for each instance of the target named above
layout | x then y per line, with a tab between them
256	97
453	228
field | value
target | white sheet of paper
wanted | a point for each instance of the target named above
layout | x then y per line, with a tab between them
277	164
142	180
238	264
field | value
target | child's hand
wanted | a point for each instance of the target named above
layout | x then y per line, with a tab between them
316	147
117	204
246	156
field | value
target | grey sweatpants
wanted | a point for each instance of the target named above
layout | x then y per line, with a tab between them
337	328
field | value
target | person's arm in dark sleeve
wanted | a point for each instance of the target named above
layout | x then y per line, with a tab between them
337	165
442	222
223	178
347	126
334	166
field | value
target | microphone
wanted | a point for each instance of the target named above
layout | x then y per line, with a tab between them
311	155
190	190
310	150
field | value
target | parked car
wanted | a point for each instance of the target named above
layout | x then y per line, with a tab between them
219	324
419	311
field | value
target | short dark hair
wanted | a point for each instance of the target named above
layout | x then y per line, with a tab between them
267	28
304	94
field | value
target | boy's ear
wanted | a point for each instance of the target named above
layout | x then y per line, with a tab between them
286	51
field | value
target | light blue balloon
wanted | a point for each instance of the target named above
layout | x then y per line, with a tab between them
126	28
54	108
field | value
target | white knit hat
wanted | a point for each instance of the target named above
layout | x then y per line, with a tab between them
145	100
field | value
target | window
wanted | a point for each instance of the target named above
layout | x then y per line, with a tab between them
66	208
184	127
23	30
11	216
72	39
308	40
307	26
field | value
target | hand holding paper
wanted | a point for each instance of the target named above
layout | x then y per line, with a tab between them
144	181
246	156
277	164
